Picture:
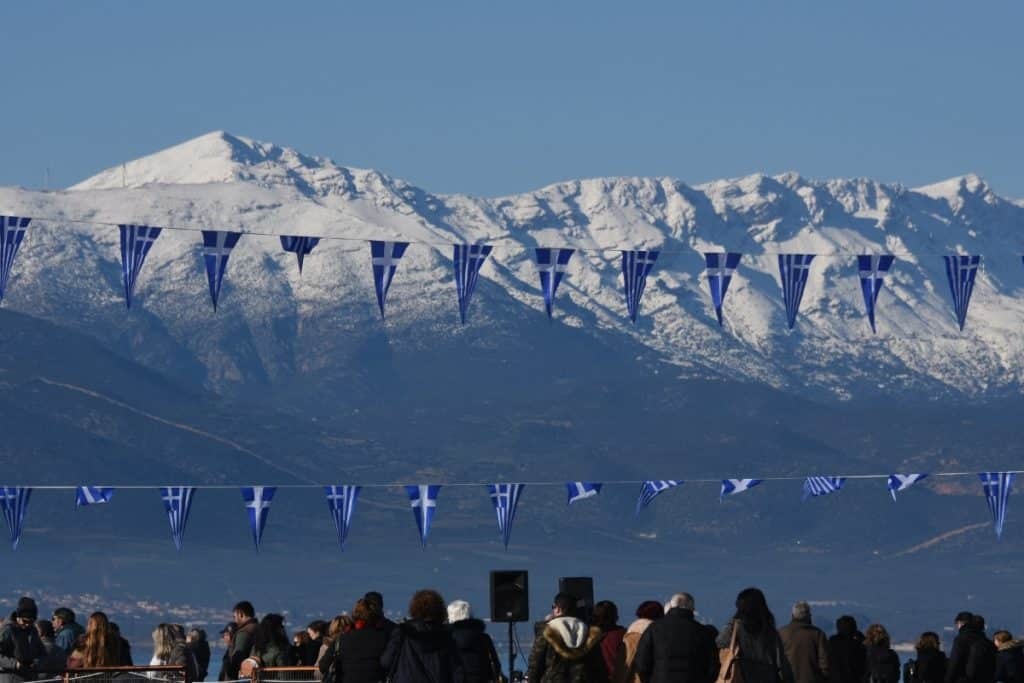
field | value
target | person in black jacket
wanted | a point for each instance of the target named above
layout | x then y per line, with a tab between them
354	656
20	646
480	662
846	655
422	650
969	654
930	664
1009	658
882	664
200	647
677	649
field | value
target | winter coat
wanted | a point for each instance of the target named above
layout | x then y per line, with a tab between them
67	637
677	649
846	659
240	648
476	651
806	649
354	657
54	660
611	639
566	651
1010	662
625	656
274	654
124	650
20	648
421	652
761	656
201	651
883	666
972	659
929	667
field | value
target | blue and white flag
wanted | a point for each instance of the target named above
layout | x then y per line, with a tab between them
636	265
257	503
467	259
872	269
997	486
12	232
793	270
15	505
649	490
300	246
720	267
730	487
385	257
93	495
341	501
551	264
902	482
177	503
581	490
423	500
217	246
136	241
960	272
822	486
506	499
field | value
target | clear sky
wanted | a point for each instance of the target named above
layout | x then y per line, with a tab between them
493	98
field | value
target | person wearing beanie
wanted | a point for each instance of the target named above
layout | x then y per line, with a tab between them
20	646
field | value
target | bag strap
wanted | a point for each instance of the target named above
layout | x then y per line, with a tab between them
732	639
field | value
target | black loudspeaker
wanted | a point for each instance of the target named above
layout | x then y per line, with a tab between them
510	596
581	588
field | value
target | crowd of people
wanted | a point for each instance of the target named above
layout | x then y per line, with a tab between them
444	643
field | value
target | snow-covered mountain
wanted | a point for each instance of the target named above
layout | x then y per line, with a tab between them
274	323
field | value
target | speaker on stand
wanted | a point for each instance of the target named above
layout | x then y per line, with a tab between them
510	602
581	588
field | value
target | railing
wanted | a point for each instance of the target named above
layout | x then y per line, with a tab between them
122	674
286	674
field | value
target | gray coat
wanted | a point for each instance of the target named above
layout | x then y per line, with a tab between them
20	650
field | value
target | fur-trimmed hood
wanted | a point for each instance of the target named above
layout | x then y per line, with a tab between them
1011	644
570	637
639	626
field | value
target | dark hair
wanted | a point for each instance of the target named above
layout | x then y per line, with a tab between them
44	628
606	613
566	603
876	635
978	622
64	614
366	611
319	626
271	630
245	608
428	605
650	609
376	598
752	610
965	617
929	640
846	625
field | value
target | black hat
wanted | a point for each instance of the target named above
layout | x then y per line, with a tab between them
27	609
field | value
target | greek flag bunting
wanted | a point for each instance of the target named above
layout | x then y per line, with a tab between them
902	482
872	269
341	501
551	264
822	486
299	245
177	503
730	487
14	500
217	246
793	270
467	259
93	495
960	272
423	500
720	266
581	490
636	265
385	257
649	490
257	503
506	499
136	241
997	486
12	232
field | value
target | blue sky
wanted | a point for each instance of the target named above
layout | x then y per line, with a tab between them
495	98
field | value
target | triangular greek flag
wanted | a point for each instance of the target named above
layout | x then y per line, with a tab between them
93	495
551	264
257	503
467	259
650	490
822	486
217	246
997	486
730	487
902	482
12	232
423	500
506	499
793	270
341	501
15	505
300	246
385	257
872	269
581	490
177	503
960	272
136	241
720	267
636	265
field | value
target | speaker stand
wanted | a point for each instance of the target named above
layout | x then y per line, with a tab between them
511	649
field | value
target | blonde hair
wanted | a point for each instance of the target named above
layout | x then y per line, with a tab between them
459	610
101	648
163	642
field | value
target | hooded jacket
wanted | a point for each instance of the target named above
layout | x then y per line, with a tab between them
476	650
565	651
625	655
677	649
421	652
